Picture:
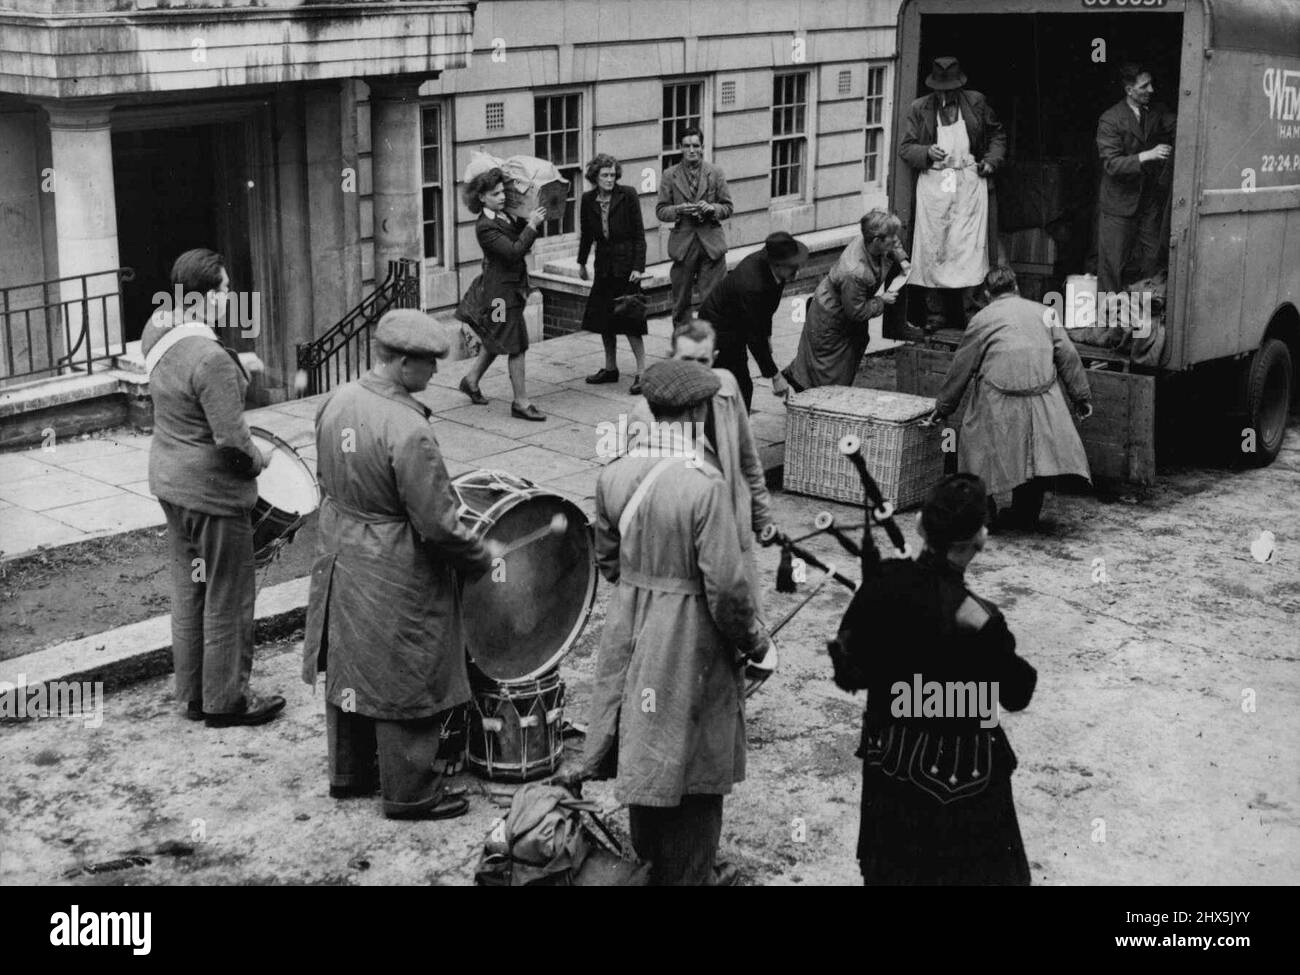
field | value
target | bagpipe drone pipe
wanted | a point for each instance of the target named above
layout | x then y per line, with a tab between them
875	511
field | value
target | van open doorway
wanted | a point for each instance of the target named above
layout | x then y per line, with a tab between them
1048	77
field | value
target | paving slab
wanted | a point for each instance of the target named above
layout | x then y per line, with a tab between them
127	512
575	439
118	468
581	485
581	406
494	418
23	531
535	463
465	443
55	491
23	466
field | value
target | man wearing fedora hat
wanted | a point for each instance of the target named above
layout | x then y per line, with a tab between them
955	143
384	608
742	305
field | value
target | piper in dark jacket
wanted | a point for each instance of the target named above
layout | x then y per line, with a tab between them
1133	140
936	660
610	218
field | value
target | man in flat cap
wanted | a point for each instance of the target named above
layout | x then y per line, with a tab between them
668	720
384	612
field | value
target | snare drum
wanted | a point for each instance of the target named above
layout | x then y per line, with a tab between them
515	730
287	493
527	611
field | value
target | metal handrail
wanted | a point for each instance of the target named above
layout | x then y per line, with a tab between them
328	359
55	314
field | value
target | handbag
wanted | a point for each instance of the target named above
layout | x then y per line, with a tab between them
631	305
470	307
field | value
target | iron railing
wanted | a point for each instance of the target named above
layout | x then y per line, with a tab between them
343	353
62	325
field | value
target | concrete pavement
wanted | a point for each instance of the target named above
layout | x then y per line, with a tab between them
90	487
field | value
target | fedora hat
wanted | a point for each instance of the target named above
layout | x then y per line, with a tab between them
782	248
945	75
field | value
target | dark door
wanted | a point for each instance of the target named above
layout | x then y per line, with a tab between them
180	188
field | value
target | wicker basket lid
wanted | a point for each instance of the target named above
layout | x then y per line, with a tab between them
877	404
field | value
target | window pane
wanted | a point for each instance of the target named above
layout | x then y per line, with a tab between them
429	124
539	115
431	174
571	148
668	101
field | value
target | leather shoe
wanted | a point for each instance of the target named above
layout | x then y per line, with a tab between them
473	392
254	710
193	711
352	791
447	808
531	413
603	376
635	388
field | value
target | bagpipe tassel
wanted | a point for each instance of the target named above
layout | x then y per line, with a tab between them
785	572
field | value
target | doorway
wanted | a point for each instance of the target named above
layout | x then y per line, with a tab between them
179	188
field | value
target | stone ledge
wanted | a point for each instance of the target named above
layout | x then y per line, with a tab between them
141	650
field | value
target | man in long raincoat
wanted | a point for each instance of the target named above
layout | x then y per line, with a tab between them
1017	434
384	611
668	716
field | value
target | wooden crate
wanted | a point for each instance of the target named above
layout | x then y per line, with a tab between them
901	455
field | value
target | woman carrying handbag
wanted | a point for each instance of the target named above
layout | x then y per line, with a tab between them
610	217
498	313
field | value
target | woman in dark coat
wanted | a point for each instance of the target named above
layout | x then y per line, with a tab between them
610	216
504	242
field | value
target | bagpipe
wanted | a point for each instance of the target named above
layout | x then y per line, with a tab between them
795	557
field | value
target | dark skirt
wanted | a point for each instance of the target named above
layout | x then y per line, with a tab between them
909	838
599	315
508	336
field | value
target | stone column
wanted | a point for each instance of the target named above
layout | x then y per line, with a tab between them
395	161
85	216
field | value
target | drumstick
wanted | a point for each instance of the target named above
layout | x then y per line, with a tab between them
558	526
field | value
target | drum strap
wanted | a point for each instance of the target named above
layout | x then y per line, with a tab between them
642	489
177	333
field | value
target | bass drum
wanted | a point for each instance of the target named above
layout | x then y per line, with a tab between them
527	611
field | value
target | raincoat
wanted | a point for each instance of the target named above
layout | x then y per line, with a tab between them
1017	425
384	608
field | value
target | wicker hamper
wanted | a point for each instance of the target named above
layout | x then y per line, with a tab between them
904	457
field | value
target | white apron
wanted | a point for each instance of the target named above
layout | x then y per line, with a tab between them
950	246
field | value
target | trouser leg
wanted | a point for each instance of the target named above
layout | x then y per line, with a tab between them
954	307
408	781
1114	241
226	546
352	748
189	585
682	278
1145	252
1027	500
735	359
711	272
681	842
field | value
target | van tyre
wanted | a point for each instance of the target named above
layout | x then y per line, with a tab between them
1268	399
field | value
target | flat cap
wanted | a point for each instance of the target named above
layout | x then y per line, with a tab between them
676	384
412	332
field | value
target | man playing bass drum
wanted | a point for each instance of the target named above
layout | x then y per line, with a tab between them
935	661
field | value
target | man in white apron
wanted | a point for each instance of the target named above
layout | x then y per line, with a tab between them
955	143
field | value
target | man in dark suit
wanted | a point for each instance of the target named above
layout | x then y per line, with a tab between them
694	198
1134	140
927	150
